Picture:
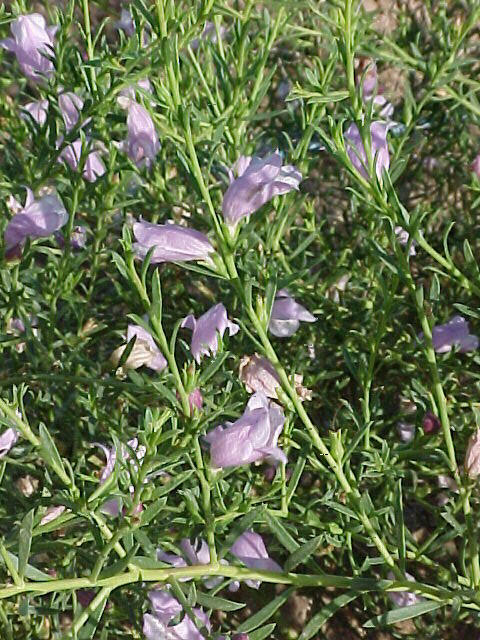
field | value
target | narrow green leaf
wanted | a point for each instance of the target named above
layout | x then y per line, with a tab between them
25	542
404	613
171	485
399	525
263	632
50	452
319	619
266	612
282	535
220	604
300	555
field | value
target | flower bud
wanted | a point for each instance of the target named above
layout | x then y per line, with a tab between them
431	423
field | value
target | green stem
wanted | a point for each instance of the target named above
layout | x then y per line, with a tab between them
206	499
88	35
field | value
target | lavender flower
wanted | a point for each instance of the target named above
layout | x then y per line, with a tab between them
258	181
379	148
286	315
126	23
7	440
37	219
476	165
206	329
93	167
454	333
145	351
172	242
196	553
78	238
38	110
403	598
70	107
52	513
472	456
142	143
165	608
32	42
112	507
403	238
252	437
370	92
250	549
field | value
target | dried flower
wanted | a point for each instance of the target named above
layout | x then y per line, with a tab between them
379	148
403	238
38	110
252	437
7	440
250	549
32	43
172	243
142	143
406	431
70	106
286	315
165	608
454	333
93	167
145	351
472	456
206	329
258	374
258	181
37	219
430	423
52	513
403	598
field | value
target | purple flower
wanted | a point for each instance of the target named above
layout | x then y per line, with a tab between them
206	329
431	423
70	106
250	549
403	598
93	167
38	110
113	506
32	42
379	148
52	513
142	143
472	456
165	608
172	242
476	165
145	351
403	238
369	92
7	440
286	315
37	219
126	23
258	181
252	437
78	238
454	333
196	553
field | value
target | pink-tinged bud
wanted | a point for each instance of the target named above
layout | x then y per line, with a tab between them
206	329
454	333
33	43
52	513
195	399
258	181
142	143
145	351
93	167
431	423
472	456
172	243
404	238
37	219
38	110
250	549
70	107
286	315
403	598
164	609
476	165
7	440
379	148
240	636
251	438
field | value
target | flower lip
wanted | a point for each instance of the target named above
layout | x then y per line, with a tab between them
171	242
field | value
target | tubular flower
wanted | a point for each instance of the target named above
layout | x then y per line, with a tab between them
258	181
145	351
250	549
164	609
7	440
142	143
286	315
37	219
33	44
38	110
252	437
206	329
370	91
454	333
403	598
379	148
472	456
93	167
172	242
70	106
